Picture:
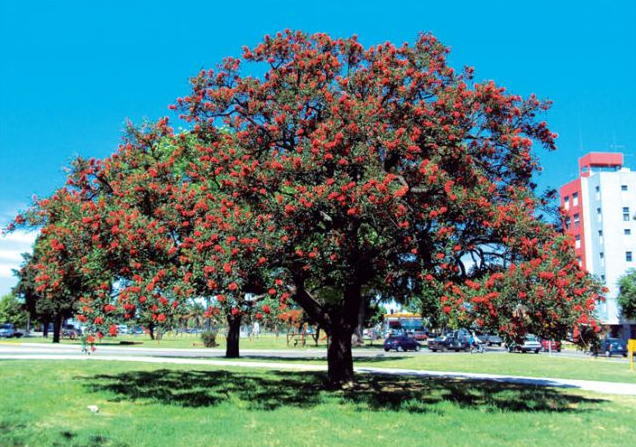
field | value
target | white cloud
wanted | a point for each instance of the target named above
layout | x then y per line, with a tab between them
11	248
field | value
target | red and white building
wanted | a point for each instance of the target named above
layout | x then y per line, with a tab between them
600	213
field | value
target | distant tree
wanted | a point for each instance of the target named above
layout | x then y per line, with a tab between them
40	310
13	311
375	314
65	264
627	294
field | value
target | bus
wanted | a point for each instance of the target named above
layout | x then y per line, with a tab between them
405	322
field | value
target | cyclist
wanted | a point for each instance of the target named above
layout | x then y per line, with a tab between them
475	343
88	344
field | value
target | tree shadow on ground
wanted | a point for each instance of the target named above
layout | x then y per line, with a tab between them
277	358
275	389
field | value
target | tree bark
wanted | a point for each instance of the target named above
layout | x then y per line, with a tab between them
45	329
233	335
151	331
339	358
338	323
57	326
360	324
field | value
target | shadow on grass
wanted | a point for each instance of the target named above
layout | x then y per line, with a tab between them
287	359
272	390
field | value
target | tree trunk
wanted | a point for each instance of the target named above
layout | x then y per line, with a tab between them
360	324
339	358
344	321
338	323
45	329
151	331
57	326
233	335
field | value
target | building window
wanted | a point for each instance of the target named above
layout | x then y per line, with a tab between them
623	187
600	237
580	262
566	202
626	213
575	199
601	255
628	256
598	192
577	221
599	214
627	231
577	241
603	278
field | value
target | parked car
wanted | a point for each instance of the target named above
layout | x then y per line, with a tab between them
401	343
530	343
70	331
7	330
420	334
551	345
122	329
456	341
492	339
370	334
612	346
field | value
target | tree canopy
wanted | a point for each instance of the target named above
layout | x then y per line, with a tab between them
12	311
627	294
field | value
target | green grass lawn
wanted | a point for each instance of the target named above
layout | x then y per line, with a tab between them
44	404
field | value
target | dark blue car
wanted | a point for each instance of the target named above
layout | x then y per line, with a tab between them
612	346
401	343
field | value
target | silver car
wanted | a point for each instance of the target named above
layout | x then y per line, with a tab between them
530	343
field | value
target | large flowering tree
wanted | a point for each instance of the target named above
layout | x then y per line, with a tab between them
340	174
383	168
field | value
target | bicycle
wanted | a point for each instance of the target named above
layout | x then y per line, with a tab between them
477	349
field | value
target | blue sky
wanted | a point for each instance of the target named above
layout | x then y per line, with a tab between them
72	72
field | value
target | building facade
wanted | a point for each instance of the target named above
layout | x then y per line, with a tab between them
600	213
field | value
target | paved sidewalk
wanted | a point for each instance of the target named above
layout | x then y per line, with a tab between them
626	389
47	347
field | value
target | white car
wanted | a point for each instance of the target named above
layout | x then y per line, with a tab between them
530	343
122	329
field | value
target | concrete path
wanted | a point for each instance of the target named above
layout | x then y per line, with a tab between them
626	389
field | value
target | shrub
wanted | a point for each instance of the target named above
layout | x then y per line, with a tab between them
209	339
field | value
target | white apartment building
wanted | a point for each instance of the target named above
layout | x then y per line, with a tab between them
601	213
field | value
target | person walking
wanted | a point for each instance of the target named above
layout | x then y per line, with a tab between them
256	329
